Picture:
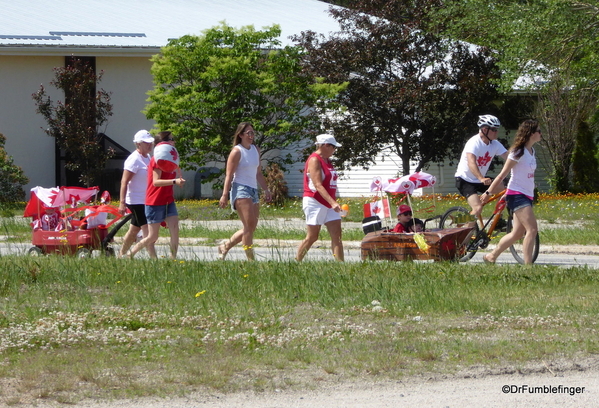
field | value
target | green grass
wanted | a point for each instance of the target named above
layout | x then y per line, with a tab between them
109	328
577	215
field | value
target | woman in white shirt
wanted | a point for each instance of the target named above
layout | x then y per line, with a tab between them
521	163
242	177
133	190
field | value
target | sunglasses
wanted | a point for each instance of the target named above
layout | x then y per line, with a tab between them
331	145
408	213
493	129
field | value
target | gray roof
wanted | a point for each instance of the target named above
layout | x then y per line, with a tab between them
50	26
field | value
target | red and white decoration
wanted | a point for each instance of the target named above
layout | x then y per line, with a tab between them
42	198
167	157
406	184
379	208
403	185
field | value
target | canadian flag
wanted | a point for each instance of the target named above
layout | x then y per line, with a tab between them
379	208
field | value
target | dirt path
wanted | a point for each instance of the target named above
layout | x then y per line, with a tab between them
536	390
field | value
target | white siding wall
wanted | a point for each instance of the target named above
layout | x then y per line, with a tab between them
356	182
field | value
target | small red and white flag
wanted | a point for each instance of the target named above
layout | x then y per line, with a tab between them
379	208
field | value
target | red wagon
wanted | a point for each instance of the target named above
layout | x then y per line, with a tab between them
61	225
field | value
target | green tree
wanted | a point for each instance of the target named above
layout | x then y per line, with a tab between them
561	109
74	123
549	48
533	38
585	167
12	178
409	90
205	85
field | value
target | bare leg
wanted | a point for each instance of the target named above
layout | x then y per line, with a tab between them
172	223
129	239
334	228
235	239
249	213
151	248
153	232
525	222
477	209
306	244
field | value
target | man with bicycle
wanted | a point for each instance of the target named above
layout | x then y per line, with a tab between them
471	175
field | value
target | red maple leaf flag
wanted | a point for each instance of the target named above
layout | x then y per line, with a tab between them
379	208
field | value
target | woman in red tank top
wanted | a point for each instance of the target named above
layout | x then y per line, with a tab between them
319	203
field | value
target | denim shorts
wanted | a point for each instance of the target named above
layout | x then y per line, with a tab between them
517	201
242	191
157	213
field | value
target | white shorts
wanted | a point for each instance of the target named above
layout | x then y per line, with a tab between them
318	214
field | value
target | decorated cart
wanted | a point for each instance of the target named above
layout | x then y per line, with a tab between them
65	222
432	243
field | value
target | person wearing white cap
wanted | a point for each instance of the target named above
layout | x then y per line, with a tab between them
159	202
133	190
319	203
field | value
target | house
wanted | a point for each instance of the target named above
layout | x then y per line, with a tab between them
118	38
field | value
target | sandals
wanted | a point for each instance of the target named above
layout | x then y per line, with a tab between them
487	261
222	250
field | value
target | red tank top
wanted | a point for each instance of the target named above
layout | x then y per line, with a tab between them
329	180
159	195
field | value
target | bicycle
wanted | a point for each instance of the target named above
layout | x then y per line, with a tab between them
458	216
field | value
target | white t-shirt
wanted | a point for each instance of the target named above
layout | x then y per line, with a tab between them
136	189
246	171
484	154
522	177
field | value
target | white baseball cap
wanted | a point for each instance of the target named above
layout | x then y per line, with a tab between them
324	139
143	136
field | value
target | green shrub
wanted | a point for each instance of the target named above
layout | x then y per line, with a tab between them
12	178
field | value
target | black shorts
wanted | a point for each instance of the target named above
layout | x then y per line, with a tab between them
139	214
467	189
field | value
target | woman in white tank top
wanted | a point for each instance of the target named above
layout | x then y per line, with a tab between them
521	163
242	177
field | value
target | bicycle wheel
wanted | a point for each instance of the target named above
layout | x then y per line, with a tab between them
455	217
516	248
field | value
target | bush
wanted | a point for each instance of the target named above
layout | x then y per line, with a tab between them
12	178
275	180
585	167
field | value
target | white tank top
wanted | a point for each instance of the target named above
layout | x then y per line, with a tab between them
248	167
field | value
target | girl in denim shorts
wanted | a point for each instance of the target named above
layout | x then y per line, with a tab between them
242	177
521	163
